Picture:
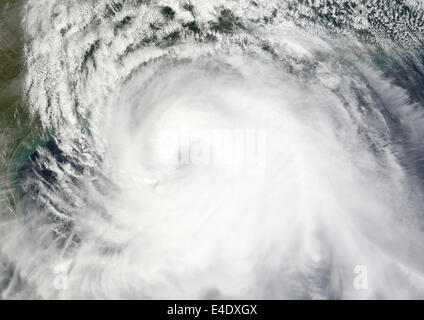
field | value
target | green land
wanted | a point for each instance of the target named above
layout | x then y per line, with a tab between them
19	131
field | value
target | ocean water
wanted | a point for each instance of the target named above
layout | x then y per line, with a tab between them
220	149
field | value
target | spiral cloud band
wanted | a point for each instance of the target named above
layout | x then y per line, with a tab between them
220	149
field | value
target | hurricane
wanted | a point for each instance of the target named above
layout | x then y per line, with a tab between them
221	149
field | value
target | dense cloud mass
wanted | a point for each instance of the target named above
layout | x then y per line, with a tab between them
221	149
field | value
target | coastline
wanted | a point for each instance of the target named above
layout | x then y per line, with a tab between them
19	131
